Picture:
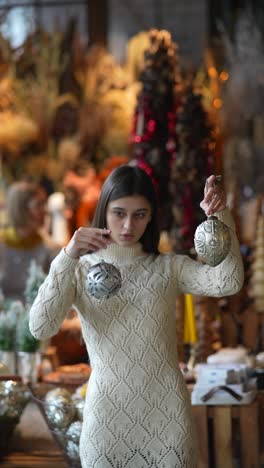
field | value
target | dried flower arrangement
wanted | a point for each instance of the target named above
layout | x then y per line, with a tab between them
55	90
243	97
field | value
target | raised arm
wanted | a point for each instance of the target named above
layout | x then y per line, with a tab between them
223	280
55	297
228	277
58	292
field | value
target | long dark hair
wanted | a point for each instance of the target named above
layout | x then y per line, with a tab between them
126	181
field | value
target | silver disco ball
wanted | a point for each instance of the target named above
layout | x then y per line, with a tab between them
103	280
212	241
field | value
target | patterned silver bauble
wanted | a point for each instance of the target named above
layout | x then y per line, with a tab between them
59	408
212	241
73	435
73	452
79	405
13	398
74	432
58	392
103	280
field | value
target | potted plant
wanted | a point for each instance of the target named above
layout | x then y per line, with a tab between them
28	355
25	341
8	325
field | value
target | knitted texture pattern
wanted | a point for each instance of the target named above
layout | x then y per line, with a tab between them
137	412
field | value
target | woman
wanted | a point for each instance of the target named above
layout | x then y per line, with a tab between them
22	242
137	411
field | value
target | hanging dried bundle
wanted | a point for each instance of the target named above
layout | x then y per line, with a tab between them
244	94
102	74
243	99
192	161
36	82
154	134
204	320
94	119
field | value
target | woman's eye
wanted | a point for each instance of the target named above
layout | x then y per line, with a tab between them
140	215
119	214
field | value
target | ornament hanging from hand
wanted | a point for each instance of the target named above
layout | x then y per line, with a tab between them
212	239
103	280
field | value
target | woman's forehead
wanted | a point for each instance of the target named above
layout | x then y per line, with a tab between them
134	202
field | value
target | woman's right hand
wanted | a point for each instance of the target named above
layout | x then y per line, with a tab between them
86	240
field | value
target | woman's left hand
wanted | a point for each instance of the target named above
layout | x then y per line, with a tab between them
214	197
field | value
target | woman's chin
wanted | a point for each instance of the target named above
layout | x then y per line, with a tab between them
128	241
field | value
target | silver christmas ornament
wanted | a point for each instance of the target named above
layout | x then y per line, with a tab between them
103	280
74	432
73	435
13	398
59	408
212	241
58	392
79	405
73	452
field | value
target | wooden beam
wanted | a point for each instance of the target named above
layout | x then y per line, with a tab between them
249	435
44	3
97	22
223	436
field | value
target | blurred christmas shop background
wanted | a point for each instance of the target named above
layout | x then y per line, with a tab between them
72	108
173	87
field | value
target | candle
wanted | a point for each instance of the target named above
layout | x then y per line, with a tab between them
190	333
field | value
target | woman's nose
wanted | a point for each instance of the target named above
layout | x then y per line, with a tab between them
128	222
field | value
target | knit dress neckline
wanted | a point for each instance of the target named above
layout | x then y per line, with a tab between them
115	252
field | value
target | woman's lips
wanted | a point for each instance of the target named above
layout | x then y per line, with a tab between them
126	236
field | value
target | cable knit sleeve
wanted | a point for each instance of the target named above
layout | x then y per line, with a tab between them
55	297
223	280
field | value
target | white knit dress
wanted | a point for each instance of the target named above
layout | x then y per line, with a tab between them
137	412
